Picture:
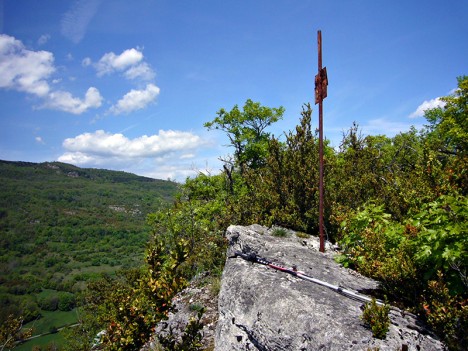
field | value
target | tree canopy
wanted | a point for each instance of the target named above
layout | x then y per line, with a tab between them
246	130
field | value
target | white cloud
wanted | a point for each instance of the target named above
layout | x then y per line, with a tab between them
167	154
172	171
130	62
22	69
142	71
103	144
64	101
111	62
86	62
76	20
78	159
135	100
28	71
385	127
43	39
427	105
39	140
187	156
163	152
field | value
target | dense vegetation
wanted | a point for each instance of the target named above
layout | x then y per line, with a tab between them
396	205
62	226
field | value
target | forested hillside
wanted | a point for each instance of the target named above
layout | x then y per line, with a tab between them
62	226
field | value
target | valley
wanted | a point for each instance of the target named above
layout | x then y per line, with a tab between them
62	226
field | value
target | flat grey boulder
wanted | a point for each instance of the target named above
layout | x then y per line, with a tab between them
264	309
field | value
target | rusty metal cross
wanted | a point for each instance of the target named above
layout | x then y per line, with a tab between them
321	83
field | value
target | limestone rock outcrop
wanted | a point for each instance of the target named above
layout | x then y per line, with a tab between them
264	309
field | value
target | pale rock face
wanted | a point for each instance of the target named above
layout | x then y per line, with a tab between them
264	309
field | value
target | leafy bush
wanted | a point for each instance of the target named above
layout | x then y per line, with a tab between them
49	303
128	305
442	241
382	249
376	317
284	190
66	301
446	314
406	258
199	216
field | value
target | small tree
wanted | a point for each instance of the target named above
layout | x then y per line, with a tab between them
447	141
246	131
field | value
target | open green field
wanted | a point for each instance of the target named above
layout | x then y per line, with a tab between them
45	329
43	341
52	320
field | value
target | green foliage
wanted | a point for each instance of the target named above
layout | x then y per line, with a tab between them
447	314
284	191
196	307
410	225
447	141
82	338
388	171
246	131
11	331
442	241
293	177
129	305
200	215
49	303
279	232
376	317
66	301
382	249
406	258
164	279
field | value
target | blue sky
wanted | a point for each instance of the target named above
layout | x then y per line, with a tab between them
127	85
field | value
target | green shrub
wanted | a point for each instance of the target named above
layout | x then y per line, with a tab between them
49	303
376	317
279	232
302	235
66	301
196	307
442	240
381	249
446	314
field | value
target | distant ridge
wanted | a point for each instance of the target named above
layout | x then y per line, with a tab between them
120	176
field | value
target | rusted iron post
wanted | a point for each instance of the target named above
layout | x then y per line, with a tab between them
321	82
